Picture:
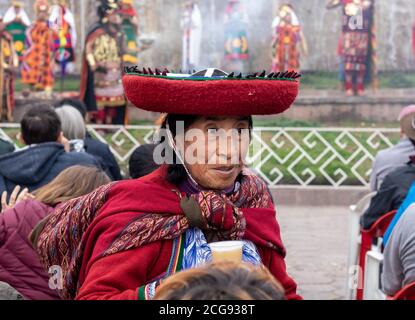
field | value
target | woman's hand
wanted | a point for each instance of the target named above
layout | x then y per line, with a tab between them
15	198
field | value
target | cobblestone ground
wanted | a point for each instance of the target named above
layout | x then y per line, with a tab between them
317	242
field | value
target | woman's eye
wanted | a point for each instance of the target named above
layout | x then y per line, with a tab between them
242	131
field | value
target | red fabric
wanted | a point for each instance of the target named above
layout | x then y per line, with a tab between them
119	276
211	97
128	11
19	263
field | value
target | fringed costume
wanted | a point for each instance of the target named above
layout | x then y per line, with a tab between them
357	45
38	62
101	87
287	37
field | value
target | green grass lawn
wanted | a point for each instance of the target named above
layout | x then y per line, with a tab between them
70	84
330	80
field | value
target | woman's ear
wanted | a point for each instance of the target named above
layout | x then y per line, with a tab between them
64	141
20	138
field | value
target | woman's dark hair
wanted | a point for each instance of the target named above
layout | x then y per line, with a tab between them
141	162
176	173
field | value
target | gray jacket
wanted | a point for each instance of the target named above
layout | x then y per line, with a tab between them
388	160
9	293
399	254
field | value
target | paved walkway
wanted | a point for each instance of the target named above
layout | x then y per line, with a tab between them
317	244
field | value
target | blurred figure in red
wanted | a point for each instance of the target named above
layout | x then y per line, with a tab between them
38	62
287	36
357	44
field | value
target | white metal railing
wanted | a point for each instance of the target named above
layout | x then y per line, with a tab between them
337	157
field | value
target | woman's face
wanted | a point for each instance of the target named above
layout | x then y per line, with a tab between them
215	149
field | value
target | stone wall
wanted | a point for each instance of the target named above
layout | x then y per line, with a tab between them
160	19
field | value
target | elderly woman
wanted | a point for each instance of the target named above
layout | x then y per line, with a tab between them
122	240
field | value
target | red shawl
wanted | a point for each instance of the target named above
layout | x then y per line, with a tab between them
126	216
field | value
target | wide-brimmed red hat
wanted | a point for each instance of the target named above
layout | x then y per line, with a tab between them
211	92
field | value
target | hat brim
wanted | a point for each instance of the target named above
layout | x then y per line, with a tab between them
213	97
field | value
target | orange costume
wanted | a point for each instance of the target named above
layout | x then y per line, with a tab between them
287	36
37	68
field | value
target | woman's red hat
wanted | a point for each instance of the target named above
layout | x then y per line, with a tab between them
211	92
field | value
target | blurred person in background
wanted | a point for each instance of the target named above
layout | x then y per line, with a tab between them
192	26
47	152
9	62
38	57
357	46
101	87
236	22
17	22
142	162
19	263
398	155
398	163
74	125
288	36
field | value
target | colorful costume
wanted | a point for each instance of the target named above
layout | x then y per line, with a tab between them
17	22
101	87
236	36
357	45
63	23
8	62
37	66
191	24
122	240
130	29
287	36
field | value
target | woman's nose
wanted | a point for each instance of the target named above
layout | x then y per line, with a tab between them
228	147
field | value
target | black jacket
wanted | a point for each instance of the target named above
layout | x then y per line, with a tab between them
102	152
5	147
37	165
391	194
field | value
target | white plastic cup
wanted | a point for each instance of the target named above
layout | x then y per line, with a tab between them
227	251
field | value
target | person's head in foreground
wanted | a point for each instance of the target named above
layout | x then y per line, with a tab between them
222	281
153	227
407	121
